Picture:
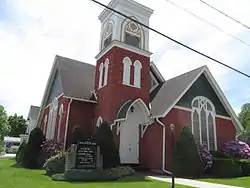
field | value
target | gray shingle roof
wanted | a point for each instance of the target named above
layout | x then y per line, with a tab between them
77	78
171	90
33	113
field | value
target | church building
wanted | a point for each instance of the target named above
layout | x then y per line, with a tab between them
125	89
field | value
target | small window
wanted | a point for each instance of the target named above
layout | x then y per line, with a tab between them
101	67
126	70
99	121
132	40
137	74
133	34
107	35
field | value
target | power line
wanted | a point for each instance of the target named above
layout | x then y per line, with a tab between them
244	25
209	23
158	32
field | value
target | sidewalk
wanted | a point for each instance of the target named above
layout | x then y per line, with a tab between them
8	156
191	183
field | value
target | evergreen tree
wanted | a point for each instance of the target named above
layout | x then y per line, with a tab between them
105	139
187	161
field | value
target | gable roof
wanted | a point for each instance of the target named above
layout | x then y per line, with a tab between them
77	80
174	89
33	113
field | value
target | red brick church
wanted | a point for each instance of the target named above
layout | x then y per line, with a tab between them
126	89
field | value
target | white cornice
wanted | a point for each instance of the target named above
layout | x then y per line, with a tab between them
119	44
137	7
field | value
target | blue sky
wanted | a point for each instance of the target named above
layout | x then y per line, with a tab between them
33	32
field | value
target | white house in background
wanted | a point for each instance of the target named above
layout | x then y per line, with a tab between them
11	144
32	117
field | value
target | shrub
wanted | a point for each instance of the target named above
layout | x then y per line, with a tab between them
33	149
187	161
245	165
205	156
98	174
49	148
226	168
77	135
105	139
20	152
219	154
55	164
236	149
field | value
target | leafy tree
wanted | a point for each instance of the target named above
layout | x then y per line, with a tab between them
187	161
17	125
244	116
4	127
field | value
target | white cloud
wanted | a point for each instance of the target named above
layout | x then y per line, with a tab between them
43	28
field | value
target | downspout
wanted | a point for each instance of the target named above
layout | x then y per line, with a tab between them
163	145
67	124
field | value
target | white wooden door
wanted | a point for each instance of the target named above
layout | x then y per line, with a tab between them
129	140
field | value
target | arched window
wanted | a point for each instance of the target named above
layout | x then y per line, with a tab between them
99	121
107	34
137	74
126	70
48	131
203	122
132	34
60	122
101	67
106	68
45	124
54	116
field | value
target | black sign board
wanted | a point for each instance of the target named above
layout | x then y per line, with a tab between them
86	155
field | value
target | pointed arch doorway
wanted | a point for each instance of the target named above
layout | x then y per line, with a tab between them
136	114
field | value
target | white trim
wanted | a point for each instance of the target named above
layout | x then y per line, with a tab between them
223	117
155	69
116	43
78	99
60	121
182	108
118	128
217	90
46	93
122	107
163	145
67	124
146	11
155	80
99	121
144	129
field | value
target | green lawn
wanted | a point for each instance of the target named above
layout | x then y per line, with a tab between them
14	177
242	181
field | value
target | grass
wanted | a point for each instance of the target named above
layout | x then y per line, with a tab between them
241	181
12	176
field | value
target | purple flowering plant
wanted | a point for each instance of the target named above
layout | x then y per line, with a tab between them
51	147
236	149
205	155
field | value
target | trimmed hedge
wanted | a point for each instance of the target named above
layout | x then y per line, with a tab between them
55	164
245	165
96	174
226	168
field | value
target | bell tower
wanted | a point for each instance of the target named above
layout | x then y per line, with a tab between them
123	63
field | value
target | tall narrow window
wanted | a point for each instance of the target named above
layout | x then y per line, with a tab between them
203	122
137	74
106	68
101	67
45	124
107	35
126	70
60	122
54	117
48	131
133	34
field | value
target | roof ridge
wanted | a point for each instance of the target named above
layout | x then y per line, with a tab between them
186	73
75	61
